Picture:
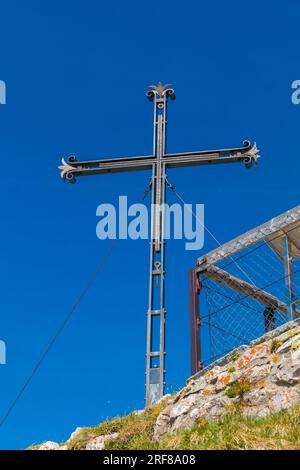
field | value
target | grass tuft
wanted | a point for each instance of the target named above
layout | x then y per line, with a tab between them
279	431
134	428
275	344
234	356
238	389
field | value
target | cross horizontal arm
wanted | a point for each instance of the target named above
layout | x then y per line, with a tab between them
247	154
71	168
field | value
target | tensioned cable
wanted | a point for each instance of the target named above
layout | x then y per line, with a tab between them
216	291
83	293
205	227
217	241
224	331
66	320
264	243
257	288
249	295
232	259
211	358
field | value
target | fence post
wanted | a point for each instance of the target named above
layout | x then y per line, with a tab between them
195	322
289	278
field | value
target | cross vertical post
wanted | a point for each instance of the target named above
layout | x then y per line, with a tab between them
158	163
155	347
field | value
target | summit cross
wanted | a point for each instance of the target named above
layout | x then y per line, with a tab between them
158	162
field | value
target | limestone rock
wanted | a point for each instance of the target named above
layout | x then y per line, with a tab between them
74	434
261	381
50	445
98	443
286	372
166	398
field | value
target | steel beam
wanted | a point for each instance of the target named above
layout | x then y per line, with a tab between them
155	364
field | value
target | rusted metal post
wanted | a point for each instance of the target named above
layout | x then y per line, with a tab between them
289	277
195	322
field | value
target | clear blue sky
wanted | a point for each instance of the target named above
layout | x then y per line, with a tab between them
76	74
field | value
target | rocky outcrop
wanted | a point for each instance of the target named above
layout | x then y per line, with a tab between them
257	380
50	445
98	443
92	442
260	379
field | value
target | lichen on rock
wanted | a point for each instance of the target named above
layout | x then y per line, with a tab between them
257	379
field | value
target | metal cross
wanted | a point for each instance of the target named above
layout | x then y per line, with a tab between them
158	162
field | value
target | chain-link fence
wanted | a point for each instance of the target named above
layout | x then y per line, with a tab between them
250	285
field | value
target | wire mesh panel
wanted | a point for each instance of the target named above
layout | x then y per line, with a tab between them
251	285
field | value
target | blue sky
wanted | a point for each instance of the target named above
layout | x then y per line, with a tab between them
76	75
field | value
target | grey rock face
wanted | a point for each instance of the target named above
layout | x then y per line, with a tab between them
50	445
94	443
98	443
74	434
263	378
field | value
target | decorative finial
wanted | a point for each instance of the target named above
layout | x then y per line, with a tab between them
67	170
254	152
160	90
252	156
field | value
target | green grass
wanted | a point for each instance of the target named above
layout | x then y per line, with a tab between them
34	446
275	344
234	357
232	432
131	428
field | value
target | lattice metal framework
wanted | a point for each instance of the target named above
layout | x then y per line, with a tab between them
251	284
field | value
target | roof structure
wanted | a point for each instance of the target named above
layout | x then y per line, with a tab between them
274	232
